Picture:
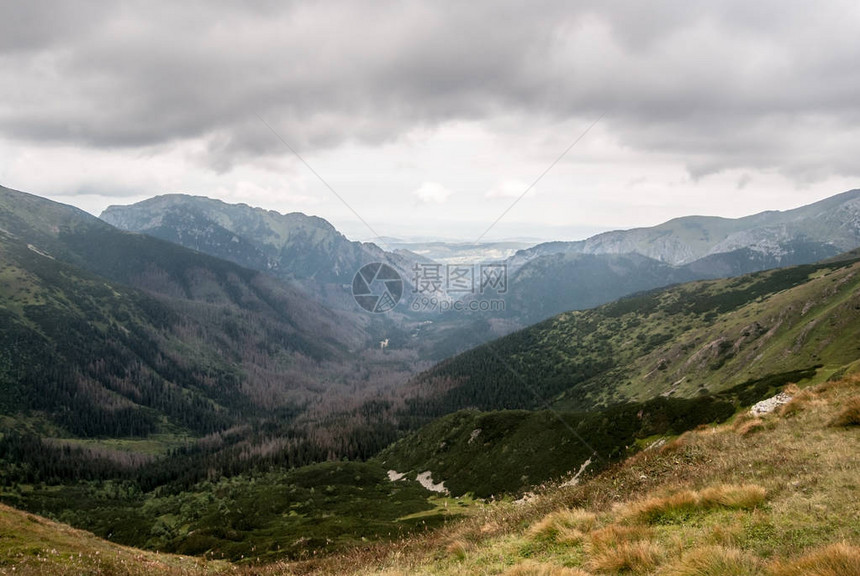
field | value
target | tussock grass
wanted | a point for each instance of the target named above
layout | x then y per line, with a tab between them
459	549
713	561
800	400
638	557
613	535
674	445
835	560
681	504
615	548
566	526
849	415
752	426
529	568
726	534
733	496
746	424
657	508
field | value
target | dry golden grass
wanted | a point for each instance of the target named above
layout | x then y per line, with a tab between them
834	560
726	534
849	415
792	389
751	427
534	569
459	548
613	535
684	502
567	526
800	400
713	561
637	556
652	509
674	445
733	496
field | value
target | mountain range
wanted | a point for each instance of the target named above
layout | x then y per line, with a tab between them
553	277
216	389
543	280
832	223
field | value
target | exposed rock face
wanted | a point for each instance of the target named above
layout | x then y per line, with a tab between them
771	404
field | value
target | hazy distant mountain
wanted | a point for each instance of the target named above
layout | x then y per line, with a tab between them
454	252
556	276
561	281
543	280
831	225
293	246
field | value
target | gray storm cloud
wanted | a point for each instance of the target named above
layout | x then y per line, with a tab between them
767	85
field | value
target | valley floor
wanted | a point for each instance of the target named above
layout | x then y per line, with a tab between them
773	495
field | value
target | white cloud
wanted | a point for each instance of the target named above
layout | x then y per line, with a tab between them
251	193
510	189
432	193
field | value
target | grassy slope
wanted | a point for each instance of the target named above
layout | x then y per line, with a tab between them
33	545
750	497
505	452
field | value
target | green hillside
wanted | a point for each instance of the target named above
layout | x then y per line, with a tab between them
505	452
145	389
758	496
767	496
683	341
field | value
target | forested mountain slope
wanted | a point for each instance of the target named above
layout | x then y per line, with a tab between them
683	341
112	333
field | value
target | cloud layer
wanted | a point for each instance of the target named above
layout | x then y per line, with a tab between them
725	85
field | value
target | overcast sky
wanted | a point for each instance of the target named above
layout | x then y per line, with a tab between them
431	118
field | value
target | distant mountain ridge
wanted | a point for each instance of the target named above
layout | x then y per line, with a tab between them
543	280
289	246
554	277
